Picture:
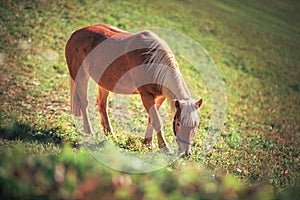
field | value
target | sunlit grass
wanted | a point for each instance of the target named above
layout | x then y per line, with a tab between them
255	46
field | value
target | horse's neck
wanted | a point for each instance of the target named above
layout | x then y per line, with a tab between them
175	86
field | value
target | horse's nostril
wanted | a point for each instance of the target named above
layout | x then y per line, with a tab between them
185	154
182	155
188	152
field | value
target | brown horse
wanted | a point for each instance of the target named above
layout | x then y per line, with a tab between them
127	63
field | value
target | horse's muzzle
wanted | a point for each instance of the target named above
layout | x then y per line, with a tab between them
186	153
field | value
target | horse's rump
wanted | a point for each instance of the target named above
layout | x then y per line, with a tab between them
84	40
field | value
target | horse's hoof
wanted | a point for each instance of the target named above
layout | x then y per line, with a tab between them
149	146
165	150
148	143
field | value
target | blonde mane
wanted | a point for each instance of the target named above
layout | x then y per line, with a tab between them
163	68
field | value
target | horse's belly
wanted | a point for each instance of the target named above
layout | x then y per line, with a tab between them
118	80
120	87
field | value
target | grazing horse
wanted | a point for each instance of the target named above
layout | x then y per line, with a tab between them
126	63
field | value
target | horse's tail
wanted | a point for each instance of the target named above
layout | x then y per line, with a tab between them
74	100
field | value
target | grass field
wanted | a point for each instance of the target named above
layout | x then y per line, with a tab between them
255	45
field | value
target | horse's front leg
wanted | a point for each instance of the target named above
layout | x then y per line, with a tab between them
149	135
154	121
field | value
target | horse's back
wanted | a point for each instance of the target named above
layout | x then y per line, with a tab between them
84	40
111	63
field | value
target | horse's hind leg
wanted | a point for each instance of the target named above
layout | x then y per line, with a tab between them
102	108
79	94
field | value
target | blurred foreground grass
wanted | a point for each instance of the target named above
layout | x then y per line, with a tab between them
76	175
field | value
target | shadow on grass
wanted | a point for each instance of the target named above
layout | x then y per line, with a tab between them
23	132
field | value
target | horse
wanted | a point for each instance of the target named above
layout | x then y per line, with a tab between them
127	63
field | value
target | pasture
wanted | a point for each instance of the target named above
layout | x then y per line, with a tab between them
255	46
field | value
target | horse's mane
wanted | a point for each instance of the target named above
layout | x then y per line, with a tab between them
162	66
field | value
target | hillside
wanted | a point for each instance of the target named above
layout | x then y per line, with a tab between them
255	46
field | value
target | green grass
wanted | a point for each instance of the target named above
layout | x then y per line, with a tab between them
255	45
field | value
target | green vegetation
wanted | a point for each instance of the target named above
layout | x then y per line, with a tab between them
255	45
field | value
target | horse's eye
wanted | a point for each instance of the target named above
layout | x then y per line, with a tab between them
178	124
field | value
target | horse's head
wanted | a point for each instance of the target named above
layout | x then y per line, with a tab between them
185	124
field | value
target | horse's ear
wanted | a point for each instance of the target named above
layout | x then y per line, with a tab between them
199	103
177	104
